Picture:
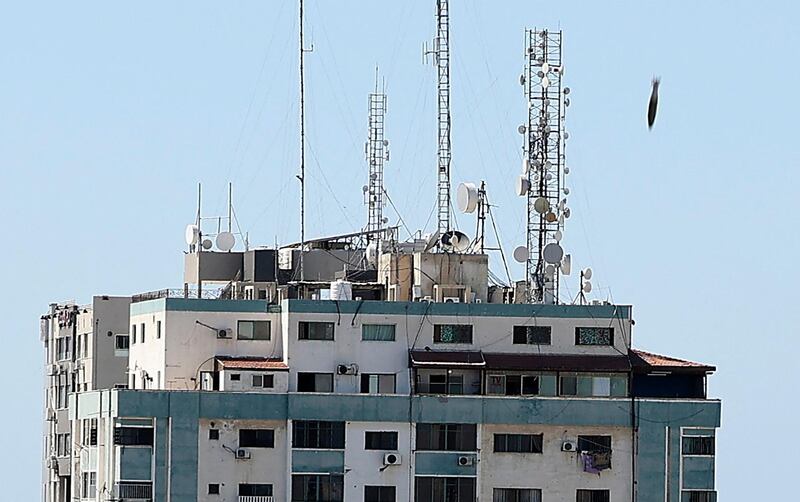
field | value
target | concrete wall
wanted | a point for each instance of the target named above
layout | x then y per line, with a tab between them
245	383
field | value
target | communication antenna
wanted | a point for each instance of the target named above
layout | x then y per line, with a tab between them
585	286
377	152
544	170
441	59
302	175
470	199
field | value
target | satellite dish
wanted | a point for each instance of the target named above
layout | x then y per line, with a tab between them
430	241
386	142
192	234
567	212
566	102
550	217
549	271
545	81
545	67
521	129
207	244
557	235
365	189
566	191
526	165
523	185
372	253
566	90
566	264
587	287
467	197
566	135
566	170
522	80
521	254
455	241
541	205
225	241
553	253
587	274
385	220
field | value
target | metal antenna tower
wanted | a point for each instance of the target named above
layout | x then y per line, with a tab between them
377	152
544	164
302	175
441	58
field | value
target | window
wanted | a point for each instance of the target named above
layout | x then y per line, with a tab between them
601	386
263	381
88	485
379	494
133	436
569	385
235	377
133	333
699	496
517	495
317	488
377	384
698	445
440	489
446	383
309	330
518	443
253	330
513	385
90	432
318	434
122	342
141	335
63	445
158	329
592	496
452	333
532	335
256	438
594	443
378	332
213	434
380	440
594	336
446	437
315	382
213	489
255	490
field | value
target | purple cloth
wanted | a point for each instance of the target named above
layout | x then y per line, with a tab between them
588	463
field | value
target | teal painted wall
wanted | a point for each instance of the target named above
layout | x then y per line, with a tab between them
318	461
161	473
443	464
135	463
184	409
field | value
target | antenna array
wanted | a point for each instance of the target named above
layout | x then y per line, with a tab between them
377	152
544	169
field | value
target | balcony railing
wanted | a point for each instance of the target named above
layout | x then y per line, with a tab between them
209	294
255	498
135	491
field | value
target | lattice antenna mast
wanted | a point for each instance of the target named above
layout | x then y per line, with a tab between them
441	59
377	152
302	175
545	164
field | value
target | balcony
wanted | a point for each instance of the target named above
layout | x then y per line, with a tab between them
135	491
255	498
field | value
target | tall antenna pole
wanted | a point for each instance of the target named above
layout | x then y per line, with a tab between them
230	206
302	176
441	58
377	153
544	166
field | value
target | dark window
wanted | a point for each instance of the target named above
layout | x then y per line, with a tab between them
256	438
532	335
377	384
446	384
517	385
122	342
213	434
133	436
700	496
439	489
517	495
253	330
263	381
594	443
317	488
318	434
133	333
569	386
594	336
452	333
141	335
592	496
380	440
309	330
379	494
315	382
255	490
446	437
213	489
235	377
698	445
518	443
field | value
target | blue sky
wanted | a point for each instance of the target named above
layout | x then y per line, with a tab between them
110	113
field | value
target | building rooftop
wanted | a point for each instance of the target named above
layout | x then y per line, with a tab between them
641	359
250	363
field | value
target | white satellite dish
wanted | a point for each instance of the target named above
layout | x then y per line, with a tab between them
545	81
587	287
430	241
523	185
455	241
467	197
557	235
545	67
553	253
526	165
541	205
192	234
521	254
225	241
207	244
587	274
566	264
372	253
567	212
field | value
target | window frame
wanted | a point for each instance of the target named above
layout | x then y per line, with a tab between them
516	495
380	378
264	377
704	448
304	331
591	344
442	436
256	438
507	442
380	437
122	336
333	482
253	323
392	326
381	495
256	487
592	493
437	334
597	441
522	335
318	435
315	374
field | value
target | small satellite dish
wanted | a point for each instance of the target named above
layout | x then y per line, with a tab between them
521	129
372	253
192	234
566	264
541	205
548	176
557	236
567	212
545	67
467	197
587	274
521	254
225	241
523	186
553	253
540	74
373	176
587	287
566	170
207	244
526	165
549	271
522	80
385	220
545	82
566	135
365	189
455	241
551	217
386	142
566	191
566	90
430	241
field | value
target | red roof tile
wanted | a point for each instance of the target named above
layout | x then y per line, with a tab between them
251	363
648	360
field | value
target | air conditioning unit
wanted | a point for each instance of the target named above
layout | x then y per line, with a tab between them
242	454
452	299
224	333
52	463
345	369
465	460
569	446
392	459
52	369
